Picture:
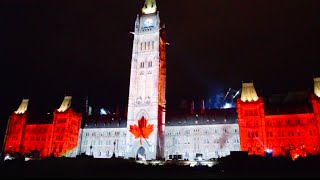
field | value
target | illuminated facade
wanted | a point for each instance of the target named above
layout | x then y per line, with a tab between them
59	138
212	133
147	83
147	131
293	132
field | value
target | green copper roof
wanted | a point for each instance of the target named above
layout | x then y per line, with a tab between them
149	7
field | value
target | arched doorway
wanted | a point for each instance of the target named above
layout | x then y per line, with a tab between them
141	154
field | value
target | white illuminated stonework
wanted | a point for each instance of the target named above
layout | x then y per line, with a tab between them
212	141
103	142
147	85
212	133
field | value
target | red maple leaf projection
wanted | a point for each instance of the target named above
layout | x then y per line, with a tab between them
142	130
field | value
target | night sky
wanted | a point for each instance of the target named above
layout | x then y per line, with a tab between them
83	48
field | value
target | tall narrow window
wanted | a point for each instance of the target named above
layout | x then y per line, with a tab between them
145	45
141	46
148	45
152	44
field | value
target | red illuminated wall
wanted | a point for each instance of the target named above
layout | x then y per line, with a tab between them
285	133
66	130
251	119
59	138
37	137
15	130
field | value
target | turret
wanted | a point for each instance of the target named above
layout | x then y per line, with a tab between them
251	119
66	126
15	128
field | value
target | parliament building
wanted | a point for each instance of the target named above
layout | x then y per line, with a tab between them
147	131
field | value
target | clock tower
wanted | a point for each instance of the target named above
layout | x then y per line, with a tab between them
147	87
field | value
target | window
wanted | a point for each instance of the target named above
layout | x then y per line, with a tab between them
256	123
152	44
62	120
141	46
142	65
187	132
271	135
145	45
148	45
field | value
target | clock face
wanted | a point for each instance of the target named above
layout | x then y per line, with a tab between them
148	22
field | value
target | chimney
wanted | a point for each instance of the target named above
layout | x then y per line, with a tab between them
117	110
202	108
192	107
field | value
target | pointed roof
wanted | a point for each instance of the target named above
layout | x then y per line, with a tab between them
65	104
149	7
248	93
23	107
317	86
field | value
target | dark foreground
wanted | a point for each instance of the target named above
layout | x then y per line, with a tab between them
229	167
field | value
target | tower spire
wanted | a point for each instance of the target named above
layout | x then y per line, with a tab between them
149	7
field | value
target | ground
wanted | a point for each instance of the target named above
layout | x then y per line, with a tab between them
230	167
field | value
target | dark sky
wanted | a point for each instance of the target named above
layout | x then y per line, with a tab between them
83	47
